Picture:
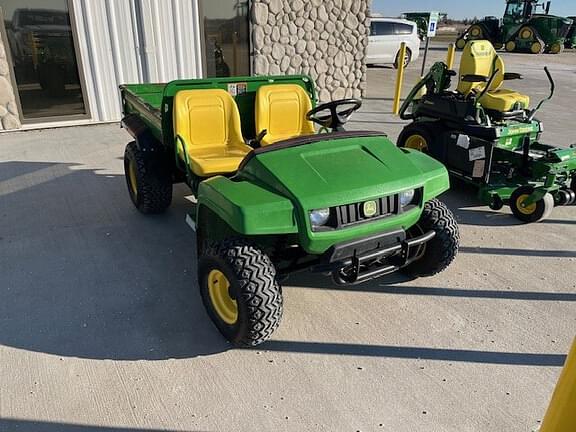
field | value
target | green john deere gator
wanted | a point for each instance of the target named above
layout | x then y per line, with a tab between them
488	136
521	29
273	197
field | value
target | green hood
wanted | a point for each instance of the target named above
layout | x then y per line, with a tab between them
335	172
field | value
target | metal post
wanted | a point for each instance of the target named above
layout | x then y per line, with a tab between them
450	57
561	413
425	56
399	78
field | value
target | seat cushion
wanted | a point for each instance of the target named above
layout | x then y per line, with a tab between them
503	100
213	161
281	110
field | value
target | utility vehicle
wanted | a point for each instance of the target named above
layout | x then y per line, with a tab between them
273	197
521	29
488	136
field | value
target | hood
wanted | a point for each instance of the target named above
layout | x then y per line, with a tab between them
336	171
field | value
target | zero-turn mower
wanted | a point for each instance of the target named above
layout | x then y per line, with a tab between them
488	136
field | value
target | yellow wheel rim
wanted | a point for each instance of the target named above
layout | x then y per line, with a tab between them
555	48
224	305
133	178
526	33
510	46
417	142
536	47
528	210
460	43
476	32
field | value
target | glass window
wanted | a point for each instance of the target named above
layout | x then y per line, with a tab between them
382	28
226	37
43	58
515	9
403	29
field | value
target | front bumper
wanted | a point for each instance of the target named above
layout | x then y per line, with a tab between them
370	258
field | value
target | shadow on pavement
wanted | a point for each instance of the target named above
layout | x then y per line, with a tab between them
457	355
85	275
9	425
389	286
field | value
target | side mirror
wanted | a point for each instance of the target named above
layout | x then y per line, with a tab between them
512	76
475	78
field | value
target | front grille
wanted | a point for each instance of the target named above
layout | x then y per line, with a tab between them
351	214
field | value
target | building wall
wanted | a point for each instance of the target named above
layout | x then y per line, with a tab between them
134	41
8	109
326	39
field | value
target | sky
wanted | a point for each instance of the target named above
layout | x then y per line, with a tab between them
459	9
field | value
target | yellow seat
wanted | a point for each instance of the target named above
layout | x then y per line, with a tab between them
281	110
480	58
207	126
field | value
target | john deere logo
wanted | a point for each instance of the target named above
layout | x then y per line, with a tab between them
370	208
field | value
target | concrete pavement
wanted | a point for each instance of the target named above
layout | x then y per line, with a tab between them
102	326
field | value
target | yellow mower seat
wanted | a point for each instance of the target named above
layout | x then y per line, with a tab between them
207	126
480	58
281	110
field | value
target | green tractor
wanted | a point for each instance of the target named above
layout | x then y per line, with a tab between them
571	36
272	197
489	137
521	29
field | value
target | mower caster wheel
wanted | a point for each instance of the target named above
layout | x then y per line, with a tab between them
438	253
240	291
534	212
496	203
565	197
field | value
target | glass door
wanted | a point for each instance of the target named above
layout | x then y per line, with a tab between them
226	37
44	59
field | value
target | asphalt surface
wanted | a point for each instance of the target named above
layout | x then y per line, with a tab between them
102	326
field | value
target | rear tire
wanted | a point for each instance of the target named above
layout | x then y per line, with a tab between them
148	179
418	136
407	59
439	252
535	212
252	287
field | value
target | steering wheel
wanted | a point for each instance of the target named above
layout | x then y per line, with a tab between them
334	114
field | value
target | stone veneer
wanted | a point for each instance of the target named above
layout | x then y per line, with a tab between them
325	39
8	110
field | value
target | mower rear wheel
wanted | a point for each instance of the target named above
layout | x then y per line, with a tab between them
148	179
417	137
240	291
534	212
438	253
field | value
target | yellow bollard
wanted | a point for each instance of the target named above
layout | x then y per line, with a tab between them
399	78
561	413
450	57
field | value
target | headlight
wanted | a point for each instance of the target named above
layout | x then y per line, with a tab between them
319	217
406	197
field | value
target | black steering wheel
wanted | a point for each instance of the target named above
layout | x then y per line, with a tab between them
334	114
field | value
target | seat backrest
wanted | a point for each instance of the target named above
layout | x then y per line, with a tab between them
480	58
206	119
281	110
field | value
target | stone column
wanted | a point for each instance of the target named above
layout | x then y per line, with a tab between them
8	111
326	39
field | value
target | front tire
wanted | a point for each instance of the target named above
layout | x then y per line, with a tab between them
439	252
534	212
240	291
148	179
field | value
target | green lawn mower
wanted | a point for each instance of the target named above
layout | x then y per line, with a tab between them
273	197
488	136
